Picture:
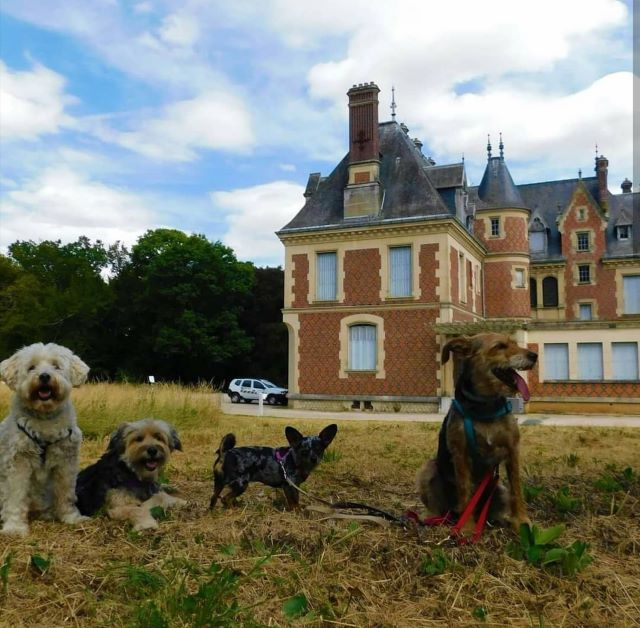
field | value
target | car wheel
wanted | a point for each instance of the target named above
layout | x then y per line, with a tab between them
271	400
235	398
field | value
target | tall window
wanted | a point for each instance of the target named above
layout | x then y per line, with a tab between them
495	226
362	347
583	240
550	292
631	284
624	360
326	284
520	278
537	241
556	361
584	273
400	271
585	311
590	360
533	292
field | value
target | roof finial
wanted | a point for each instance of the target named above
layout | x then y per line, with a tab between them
501	147
579	173
489	145
596	151
393	103
462	157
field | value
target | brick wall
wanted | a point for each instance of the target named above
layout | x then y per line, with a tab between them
602	288
300	273
501	299
515	229
410	353
362	277
429	265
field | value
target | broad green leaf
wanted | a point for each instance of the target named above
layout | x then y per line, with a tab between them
545	536
555	555
295	606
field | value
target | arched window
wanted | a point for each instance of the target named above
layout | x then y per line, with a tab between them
362	347
533	292
550	292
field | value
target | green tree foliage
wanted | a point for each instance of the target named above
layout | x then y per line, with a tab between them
178	306
52	292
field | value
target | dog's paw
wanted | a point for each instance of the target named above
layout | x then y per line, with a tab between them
176	502
17	528
73	517
147	524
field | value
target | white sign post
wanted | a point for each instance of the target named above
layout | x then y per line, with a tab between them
152	379
261	398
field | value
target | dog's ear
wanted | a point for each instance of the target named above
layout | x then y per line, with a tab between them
78	371
328	434
461	345
293	436
174	439
116	442
10	371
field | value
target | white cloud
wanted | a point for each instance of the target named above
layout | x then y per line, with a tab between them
214	120
287	167
61	204
254	214
179	29
32	103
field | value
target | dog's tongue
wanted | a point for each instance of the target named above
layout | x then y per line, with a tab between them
151	465
522	387
44	393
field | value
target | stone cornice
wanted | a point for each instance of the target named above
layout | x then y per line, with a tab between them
621	261
363	231
541	325
361	309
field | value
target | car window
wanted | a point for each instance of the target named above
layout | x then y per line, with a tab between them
268	384
258	385
246	383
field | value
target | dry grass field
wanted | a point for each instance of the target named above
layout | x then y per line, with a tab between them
257	565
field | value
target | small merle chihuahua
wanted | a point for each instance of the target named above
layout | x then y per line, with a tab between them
235	466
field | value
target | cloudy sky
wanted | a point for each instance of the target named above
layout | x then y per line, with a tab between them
117	116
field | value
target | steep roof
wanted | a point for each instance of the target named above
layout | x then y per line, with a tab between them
497	188
408	189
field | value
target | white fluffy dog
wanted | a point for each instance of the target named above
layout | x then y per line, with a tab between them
39	440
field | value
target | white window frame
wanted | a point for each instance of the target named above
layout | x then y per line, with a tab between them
627	229
580	312
588	279
590	361
521	278
324	290
400	271
556	361
631	294
363	353
624	361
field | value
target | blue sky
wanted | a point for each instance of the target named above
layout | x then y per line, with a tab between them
119	116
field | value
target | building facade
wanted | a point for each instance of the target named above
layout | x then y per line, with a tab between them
392	255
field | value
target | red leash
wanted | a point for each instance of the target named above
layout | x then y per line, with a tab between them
489	482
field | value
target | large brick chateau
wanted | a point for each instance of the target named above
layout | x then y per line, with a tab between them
392	254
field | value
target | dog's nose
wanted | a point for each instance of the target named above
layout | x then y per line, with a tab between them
532	356
152	451
44	378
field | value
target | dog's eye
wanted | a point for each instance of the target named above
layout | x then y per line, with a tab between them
56	366
139	439
32	368
500	345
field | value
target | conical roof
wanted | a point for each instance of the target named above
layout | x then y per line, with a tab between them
497	188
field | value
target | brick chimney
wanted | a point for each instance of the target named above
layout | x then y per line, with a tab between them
363	194
602	169
626	186
364	138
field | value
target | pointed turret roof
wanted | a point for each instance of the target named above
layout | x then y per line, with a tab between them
497	188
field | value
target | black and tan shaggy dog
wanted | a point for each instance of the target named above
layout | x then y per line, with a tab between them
126	479
489	365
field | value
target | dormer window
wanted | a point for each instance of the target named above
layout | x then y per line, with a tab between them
623	232
537	236
583	240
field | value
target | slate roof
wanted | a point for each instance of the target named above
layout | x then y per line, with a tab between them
408	189
415	188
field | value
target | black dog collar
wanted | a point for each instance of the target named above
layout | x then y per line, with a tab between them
43	445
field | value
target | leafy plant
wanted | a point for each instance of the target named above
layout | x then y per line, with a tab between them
331	456
537	547
159	513
530	492
4	573
295	606
435	563
564	502
571	460
40	564
139	581
480	612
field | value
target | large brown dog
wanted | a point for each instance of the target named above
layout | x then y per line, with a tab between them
488	374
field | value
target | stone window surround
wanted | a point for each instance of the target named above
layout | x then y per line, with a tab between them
490	222
343	355
594	308
592	276
514	277
574	240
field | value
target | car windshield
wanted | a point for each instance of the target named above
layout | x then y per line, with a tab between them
268	384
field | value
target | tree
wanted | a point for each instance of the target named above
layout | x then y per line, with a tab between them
178	305
54	292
